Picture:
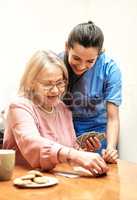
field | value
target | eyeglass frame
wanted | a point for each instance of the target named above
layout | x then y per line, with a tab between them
51	86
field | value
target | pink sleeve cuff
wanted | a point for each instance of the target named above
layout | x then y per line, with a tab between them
49	156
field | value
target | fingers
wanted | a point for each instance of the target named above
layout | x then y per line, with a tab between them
110	155
113	156
92	162
98	166
101	163
92	144
89	146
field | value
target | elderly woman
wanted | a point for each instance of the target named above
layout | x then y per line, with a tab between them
39	125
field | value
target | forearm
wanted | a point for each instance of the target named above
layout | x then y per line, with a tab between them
90	161
113	125
112	133
39	152
67	154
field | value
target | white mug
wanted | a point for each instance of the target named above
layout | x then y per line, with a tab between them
7	163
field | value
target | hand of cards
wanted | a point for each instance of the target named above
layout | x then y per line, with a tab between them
81	140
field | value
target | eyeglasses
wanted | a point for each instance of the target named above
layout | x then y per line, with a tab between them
59	84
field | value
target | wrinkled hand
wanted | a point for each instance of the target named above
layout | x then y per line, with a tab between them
92	162
110	155
92	144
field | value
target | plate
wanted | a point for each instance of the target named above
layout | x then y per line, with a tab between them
50	182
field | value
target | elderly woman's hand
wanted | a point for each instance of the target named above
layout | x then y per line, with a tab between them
90	161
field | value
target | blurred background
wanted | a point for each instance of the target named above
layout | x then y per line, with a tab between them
30	25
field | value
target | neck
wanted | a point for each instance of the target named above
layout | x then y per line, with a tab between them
44	108
47	109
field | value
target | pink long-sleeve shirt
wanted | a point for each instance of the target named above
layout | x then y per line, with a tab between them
37	136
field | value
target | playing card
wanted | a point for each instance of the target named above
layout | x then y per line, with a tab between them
82	138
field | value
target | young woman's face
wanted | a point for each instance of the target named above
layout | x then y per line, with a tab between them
81	58
49	86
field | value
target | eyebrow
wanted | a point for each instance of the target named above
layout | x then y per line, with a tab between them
49	81
76	56
91	60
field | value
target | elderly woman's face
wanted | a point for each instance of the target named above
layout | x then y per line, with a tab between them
81	58
49	86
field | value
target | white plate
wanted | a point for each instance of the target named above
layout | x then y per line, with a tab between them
51	181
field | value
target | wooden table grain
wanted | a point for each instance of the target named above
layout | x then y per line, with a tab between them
119	184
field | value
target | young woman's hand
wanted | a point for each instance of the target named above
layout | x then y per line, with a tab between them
90	161
110	155
92	144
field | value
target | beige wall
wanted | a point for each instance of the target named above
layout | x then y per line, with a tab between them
28	25
119	21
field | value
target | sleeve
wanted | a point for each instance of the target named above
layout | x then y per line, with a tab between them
74	138
113	84
67	115
37	150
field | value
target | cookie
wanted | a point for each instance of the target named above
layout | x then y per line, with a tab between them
35	172
28	177
40	180
19	181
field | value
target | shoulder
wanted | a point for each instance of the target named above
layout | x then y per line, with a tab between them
105	59
109	65
23	107
21	102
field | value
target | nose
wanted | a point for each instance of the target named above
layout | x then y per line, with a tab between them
54	89
82	66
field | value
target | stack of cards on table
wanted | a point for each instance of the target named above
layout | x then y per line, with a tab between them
86	173
81	140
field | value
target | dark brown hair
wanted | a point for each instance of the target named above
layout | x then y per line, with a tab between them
87	35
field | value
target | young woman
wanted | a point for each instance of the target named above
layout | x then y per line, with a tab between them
94	92
39	125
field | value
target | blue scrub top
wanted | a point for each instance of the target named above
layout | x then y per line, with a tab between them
88	94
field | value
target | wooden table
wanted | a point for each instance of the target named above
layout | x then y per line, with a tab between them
119	184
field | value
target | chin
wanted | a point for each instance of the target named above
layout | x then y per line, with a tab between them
53	102
78	72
